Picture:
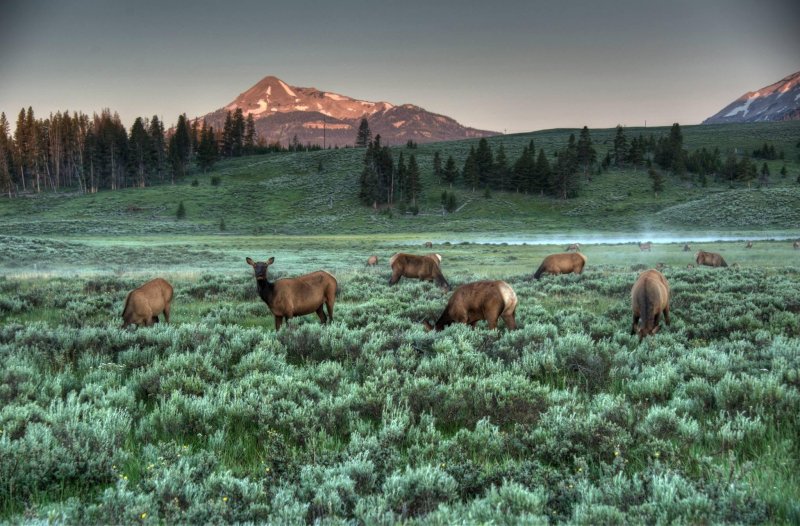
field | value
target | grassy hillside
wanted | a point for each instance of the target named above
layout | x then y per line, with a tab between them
289	194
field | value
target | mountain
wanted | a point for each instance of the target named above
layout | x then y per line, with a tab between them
776	102
281	111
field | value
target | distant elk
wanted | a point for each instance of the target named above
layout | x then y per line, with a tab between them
412	266
144	304
686	247
290	297
645	246
709	259
372	261
796	244
481	300
428	244
749	244
689	266
575	246
565	263
649	298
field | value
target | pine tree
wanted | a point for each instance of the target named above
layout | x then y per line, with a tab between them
745	170
364	136
471	173
586	152
450	172
541	174
522	174
207	150
764	177
227	135
484	162
414	181
401	179
783	171
250	135
437	165
500	170
5	157
179	148
140	151
157	148
181	212
563	176
657	179
237	133
620	147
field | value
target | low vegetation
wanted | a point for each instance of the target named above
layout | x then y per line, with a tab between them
216	417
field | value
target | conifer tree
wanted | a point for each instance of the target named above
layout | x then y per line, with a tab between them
364	136
401	177
523	172
157	148
500	170
783	171
450	172
250	135
586	152
140	152
237	133
764	177
470	172
5	157
437	165
207	150
563	176
181	212
657	179
227	135
484	162
541	174
179	148
414	181
620	147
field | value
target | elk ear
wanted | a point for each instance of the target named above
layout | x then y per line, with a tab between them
270	261
250	261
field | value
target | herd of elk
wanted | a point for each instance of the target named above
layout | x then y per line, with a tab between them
470	303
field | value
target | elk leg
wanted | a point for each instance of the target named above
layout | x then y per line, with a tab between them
278	321
329	303
395	278
666	315
635	323
492	321
511	323
321	314
166	313
153	320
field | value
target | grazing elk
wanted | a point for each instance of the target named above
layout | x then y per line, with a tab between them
481	300
710	259
424	267
428	244
645	246
574	246
144	304
561	264
372	261
749	244
290	297
649	298
686	247
796	245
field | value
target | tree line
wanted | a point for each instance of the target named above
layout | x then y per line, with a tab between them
92	153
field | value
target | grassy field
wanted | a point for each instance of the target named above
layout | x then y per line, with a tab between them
371	420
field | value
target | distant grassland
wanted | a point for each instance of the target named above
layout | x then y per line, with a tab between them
288	194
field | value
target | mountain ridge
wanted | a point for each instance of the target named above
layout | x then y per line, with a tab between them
281	112
779	101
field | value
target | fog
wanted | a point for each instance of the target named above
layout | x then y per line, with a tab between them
611	238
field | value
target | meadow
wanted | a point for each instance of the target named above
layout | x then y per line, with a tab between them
371	420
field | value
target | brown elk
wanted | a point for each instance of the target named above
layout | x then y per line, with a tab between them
428	244
574	246
372	261
645	246
424	267
796	245
290	297
144	304
561	264
710	259
686	247
649	298
481	300
749	244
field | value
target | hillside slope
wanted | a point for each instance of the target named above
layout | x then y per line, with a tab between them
289	194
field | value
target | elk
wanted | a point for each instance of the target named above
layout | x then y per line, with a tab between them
749	244
796	245
574	246
372	261
649	298
561	264
424	267
645	246
428	244
481	300
710	259
686	247
290	297
143	305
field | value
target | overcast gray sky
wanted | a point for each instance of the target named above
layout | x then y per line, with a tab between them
514	65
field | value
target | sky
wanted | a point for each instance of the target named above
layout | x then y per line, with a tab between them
507	66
